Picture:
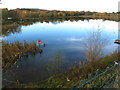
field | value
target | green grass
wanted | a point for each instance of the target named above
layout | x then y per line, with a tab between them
75	74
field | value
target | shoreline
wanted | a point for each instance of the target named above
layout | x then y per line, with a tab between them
71	78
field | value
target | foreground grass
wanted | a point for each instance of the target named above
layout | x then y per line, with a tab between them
72	78
11	52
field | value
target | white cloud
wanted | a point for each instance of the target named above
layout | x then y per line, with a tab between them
91	5
74	39
71	39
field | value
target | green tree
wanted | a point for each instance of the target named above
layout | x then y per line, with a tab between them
5	13
60	14
14	14
72	13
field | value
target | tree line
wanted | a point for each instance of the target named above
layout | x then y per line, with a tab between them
25	13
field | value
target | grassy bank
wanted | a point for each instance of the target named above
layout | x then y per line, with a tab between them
104	17
11	52
72	78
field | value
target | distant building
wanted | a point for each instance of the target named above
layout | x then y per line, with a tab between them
9	18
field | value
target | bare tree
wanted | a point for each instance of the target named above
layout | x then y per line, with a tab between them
94	44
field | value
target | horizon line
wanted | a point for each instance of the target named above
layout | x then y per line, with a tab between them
61	10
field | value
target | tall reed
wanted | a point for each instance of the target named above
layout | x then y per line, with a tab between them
11	52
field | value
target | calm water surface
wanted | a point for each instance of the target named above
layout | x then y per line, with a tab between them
65	37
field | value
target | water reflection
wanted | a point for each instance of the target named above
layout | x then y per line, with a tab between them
66	37
10	29
56	65
10	26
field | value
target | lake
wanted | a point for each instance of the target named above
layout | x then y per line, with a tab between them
62	38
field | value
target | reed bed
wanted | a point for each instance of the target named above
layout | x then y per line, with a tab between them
11	52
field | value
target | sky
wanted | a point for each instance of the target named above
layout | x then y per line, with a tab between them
69	5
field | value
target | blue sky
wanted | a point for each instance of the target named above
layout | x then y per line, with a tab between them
70	5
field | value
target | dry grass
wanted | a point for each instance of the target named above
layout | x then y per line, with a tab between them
11	52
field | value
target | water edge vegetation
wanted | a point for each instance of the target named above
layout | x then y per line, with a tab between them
11	52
